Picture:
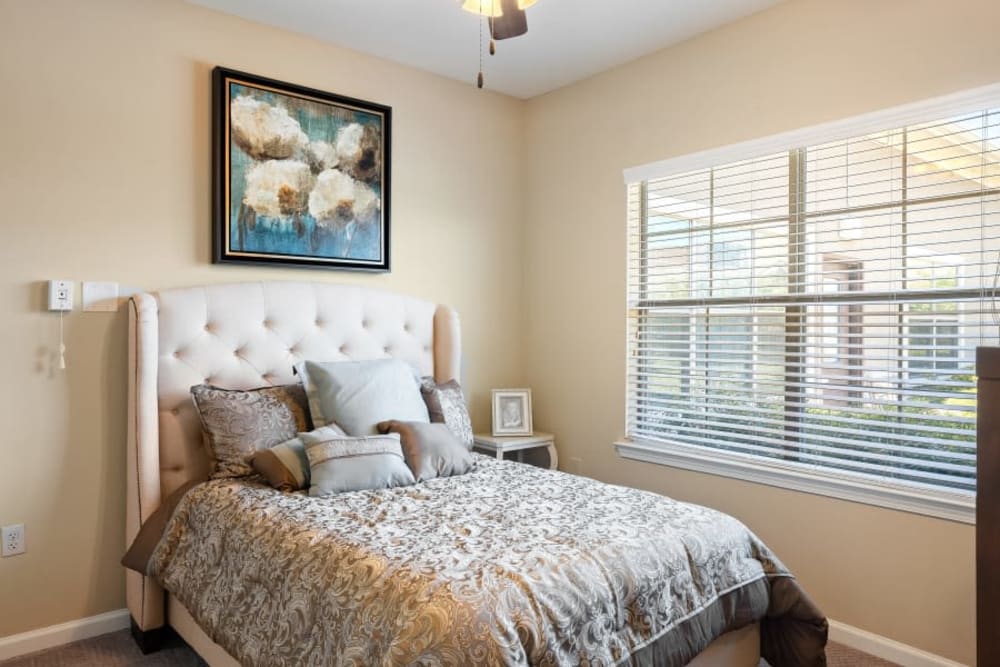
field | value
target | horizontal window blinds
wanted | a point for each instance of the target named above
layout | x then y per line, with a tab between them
821	306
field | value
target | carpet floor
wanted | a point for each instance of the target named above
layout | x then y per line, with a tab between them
118	650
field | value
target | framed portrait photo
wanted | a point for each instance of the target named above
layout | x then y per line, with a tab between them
512	412
301	176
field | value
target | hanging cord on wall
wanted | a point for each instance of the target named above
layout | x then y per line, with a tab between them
482	19
62	345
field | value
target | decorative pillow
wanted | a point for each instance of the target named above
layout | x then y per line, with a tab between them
286	466
446	405
357	395
340	464
431	450
238	423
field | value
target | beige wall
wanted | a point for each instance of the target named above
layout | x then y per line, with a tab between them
801	63
104	175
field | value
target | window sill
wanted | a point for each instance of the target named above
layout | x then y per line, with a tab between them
957	507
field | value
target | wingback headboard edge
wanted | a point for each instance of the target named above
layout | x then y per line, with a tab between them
144	597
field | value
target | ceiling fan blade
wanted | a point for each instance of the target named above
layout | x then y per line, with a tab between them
513	23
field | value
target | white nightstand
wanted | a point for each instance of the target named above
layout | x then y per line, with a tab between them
500	445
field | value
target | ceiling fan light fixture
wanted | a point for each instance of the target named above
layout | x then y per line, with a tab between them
502	24
488	8
492	8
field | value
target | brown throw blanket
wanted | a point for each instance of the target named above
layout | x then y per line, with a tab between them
506	565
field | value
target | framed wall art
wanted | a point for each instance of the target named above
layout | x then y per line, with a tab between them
512	412
301	176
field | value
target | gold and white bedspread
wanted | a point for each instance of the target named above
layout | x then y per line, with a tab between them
507	565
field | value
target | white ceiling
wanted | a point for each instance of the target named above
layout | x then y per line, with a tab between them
567	40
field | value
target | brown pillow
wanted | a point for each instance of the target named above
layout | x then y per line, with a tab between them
431	450
446	405
239	423
286	466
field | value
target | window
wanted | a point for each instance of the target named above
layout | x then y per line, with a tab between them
818	308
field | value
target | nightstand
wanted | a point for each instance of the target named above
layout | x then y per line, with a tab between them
500	445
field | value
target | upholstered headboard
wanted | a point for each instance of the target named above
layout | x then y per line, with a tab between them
242	336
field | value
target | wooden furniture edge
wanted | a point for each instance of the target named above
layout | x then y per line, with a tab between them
988	506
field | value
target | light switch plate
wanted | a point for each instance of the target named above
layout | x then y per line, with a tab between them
100	297
61	295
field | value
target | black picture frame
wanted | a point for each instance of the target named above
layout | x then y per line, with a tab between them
276	221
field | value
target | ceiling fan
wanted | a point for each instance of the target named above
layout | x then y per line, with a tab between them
506	18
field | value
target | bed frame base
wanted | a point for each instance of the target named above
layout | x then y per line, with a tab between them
150	641
189	630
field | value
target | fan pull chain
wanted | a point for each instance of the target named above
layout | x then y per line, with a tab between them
479	79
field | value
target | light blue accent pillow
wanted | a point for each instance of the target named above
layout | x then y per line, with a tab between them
340	464
357	395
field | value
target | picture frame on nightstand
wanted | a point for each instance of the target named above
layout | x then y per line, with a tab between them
512	412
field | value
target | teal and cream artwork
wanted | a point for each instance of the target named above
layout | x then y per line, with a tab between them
302	176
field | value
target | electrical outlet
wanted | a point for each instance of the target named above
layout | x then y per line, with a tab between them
575	465
13	540
61	295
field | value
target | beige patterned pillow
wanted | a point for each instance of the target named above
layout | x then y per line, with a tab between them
446	405
239	423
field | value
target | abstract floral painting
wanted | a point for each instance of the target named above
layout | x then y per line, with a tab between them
301	176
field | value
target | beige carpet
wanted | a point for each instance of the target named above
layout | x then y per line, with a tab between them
118	650
838	655
112	650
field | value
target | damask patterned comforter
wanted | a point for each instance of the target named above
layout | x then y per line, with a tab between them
507	565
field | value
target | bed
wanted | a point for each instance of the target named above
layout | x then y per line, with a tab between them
517	565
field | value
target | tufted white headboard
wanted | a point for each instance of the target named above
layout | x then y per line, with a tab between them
241	336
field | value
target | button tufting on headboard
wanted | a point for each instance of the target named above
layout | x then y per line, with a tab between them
247	335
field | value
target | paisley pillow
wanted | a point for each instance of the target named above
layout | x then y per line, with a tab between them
446	405
240	422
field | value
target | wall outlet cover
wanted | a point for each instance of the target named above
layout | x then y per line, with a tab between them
12	540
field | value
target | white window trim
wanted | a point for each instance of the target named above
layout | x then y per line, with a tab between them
968	101
957	507
929	502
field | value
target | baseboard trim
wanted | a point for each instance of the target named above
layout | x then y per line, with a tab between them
63	633
885	648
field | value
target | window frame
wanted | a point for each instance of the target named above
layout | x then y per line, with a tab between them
941	503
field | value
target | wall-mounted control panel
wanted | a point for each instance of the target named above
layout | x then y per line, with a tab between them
61	294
